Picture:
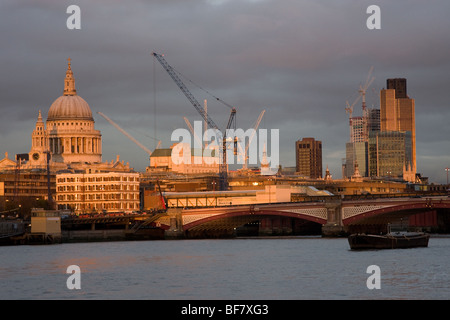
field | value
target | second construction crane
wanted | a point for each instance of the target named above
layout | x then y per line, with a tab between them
358	125
128	135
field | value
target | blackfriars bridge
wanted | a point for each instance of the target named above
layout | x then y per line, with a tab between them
330	217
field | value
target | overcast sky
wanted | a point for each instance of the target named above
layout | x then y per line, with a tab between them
299	60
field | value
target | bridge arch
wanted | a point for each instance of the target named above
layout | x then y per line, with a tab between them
392	213
235	218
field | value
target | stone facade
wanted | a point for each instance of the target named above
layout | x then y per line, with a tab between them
68	136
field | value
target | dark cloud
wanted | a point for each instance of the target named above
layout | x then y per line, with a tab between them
299	60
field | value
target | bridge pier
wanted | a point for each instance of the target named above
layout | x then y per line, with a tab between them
334	226
175	230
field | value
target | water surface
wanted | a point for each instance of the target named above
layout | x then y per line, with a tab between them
256	269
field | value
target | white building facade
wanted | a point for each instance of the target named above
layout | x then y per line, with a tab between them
98	192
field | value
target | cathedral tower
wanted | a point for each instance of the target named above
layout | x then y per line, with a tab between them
39	143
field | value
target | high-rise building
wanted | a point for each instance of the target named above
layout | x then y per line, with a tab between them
358	129
308	153
373	120
356	154
397	113
399	85
357	150
389	154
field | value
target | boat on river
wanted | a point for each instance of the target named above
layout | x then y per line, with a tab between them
391	240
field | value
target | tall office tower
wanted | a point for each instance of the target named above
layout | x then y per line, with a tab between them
399	85
389	152
397	113
357	150
308	152
373	120
356	154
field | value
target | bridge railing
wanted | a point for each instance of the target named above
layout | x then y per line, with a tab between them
304	198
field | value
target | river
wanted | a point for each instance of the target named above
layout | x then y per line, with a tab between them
294	268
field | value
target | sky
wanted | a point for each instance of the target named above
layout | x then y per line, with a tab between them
301	61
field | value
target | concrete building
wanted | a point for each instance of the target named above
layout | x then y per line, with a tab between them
308	152
358	129
383	141
356	154
373	120
98	192
175	160
357	150
25	189
398	113
390	152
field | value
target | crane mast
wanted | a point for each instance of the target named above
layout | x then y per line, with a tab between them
223	169
363	89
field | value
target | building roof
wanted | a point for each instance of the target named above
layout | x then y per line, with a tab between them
69	106
161	153
167	152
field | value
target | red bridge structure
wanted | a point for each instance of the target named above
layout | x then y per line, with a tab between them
329	217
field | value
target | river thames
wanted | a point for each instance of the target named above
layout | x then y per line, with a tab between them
294	268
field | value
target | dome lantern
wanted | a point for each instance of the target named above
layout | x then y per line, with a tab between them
69	106
69	82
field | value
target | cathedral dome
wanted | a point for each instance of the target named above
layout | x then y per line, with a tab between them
69	106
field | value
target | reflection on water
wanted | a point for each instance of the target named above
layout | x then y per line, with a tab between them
290	268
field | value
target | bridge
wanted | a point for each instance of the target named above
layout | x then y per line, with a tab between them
330	217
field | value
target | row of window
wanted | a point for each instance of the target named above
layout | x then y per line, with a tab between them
26	192
98	196
98	179
72	123
308	146
115	187
101	206
25	184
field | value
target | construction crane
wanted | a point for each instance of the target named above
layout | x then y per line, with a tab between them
349	111
127	134
363	89
223	168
